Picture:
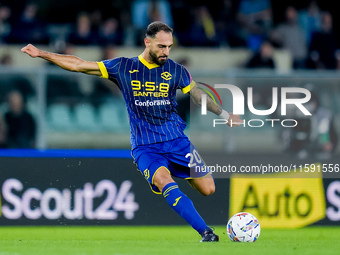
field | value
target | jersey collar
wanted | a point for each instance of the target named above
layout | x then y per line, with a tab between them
146	63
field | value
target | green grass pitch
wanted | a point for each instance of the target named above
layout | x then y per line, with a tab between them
162	240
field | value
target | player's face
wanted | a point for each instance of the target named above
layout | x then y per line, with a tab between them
159	47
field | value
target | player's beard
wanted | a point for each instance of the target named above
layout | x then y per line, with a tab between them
156	59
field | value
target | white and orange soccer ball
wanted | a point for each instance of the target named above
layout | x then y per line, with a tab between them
243	227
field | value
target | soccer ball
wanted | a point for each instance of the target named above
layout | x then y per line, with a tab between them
243	227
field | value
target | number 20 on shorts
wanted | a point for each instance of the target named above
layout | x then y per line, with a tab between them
194	158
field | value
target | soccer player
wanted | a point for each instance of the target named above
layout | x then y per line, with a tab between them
159	146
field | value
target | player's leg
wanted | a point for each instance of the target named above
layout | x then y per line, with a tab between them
204	185
177	200
157	172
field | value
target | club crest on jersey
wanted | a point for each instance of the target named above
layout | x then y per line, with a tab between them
166	76
146	173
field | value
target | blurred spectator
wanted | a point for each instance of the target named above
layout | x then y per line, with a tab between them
3	132
310	19
227	29
181	17
82	33
289	35
202	32
28	28
315	136
255	19
96	20
21	128
323	46
109	33
144	12
5	27
262	58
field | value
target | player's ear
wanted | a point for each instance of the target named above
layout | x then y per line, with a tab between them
147	42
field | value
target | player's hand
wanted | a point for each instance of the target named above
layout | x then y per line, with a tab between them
234	120
31	51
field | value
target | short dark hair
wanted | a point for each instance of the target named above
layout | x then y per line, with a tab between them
156	26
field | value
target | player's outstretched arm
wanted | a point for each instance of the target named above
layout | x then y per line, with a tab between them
196	96
67	62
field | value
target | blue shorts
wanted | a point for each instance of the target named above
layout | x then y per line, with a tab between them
178	156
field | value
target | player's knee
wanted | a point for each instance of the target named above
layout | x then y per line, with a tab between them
162	178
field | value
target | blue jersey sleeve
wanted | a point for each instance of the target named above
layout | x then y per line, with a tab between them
185	83
109	67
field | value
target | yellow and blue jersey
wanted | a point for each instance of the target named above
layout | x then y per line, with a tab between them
149	91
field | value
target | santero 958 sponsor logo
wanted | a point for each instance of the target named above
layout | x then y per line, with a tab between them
150	89
101	201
